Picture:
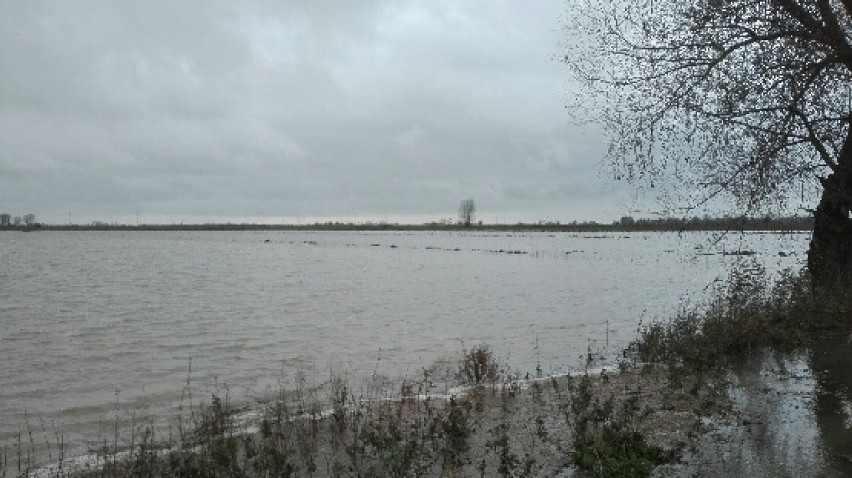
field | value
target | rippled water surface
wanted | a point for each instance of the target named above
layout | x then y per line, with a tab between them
100	323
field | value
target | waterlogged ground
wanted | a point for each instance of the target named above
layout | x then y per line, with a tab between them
790	416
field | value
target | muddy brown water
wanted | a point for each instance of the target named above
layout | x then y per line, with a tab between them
99	325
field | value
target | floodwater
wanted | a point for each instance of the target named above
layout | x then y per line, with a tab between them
791	417
97	325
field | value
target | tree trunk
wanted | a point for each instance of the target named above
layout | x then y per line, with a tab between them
830	254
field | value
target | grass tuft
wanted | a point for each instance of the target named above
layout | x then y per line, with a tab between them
479	365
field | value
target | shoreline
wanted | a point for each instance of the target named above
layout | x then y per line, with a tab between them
529	412
753	419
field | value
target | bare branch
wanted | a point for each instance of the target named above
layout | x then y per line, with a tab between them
701	90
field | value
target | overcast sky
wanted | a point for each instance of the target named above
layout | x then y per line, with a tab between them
293	111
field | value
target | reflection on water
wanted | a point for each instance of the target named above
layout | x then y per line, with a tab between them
791	417
832	366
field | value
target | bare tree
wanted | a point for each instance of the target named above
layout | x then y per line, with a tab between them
749	99
16	220
467	211
29	219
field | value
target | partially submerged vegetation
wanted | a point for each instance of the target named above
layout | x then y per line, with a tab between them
492	424
749	315
619	421
749	311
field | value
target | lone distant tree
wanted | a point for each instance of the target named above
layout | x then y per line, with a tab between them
749	99
467	211
29	219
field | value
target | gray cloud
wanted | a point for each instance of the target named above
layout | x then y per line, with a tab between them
291	109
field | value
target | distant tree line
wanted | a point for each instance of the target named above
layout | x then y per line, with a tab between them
625	224
27	220
718	223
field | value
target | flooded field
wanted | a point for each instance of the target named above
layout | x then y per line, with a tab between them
97	325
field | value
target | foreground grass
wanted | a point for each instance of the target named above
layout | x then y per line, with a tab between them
615	422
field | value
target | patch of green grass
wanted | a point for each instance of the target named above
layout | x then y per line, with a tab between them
454	429
607	441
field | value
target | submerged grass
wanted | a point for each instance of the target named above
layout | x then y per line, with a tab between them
605	424
748	311
508	427
323	430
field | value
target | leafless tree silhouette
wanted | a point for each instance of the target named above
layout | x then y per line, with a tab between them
467	211
749	99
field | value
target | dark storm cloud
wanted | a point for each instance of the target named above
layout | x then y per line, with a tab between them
290	109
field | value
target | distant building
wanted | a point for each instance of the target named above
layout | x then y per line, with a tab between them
5	220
